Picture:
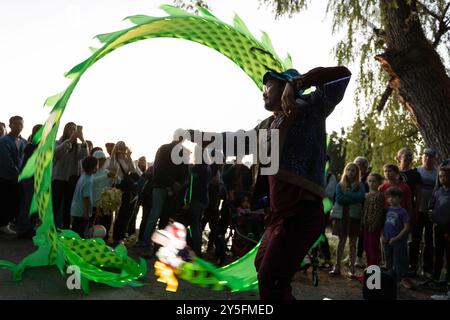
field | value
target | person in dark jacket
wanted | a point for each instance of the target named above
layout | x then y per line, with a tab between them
168	180
26	224
12	146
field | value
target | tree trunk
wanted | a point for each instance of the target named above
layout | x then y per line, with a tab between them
417	73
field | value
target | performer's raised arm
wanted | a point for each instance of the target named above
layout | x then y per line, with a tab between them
330	82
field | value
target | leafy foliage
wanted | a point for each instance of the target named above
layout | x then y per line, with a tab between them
337	152
190	5
376	136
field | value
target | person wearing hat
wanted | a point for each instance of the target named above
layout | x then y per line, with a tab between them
428	174
296	190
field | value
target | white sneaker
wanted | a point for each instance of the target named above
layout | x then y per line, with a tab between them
7	230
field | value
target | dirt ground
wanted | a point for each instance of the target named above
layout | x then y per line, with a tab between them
48	283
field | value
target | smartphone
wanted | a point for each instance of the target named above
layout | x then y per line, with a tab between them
79	129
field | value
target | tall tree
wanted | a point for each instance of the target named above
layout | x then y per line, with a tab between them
410	40
379	143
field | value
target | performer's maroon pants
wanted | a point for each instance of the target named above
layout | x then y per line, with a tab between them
286	241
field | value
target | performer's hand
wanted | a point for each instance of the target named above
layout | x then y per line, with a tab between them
288	99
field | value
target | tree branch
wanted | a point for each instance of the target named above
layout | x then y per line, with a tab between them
443	27
384	98
376	30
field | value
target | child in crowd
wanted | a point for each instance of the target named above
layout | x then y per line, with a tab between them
373	219
82	202
103	178
346	213
439	210
395	234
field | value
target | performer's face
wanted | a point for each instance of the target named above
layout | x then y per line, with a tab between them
272	92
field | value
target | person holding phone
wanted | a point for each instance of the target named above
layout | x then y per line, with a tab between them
70	149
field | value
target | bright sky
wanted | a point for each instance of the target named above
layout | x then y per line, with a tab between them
142	92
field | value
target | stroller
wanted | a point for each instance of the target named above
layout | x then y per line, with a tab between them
239	230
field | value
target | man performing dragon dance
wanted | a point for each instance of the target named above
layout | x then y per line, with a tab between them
296	190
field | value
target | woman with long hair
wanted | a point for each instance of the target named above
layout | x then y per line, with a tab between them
122	163
346	213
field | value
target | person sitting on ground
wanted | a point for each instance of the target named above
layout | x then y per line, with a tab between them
82	203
